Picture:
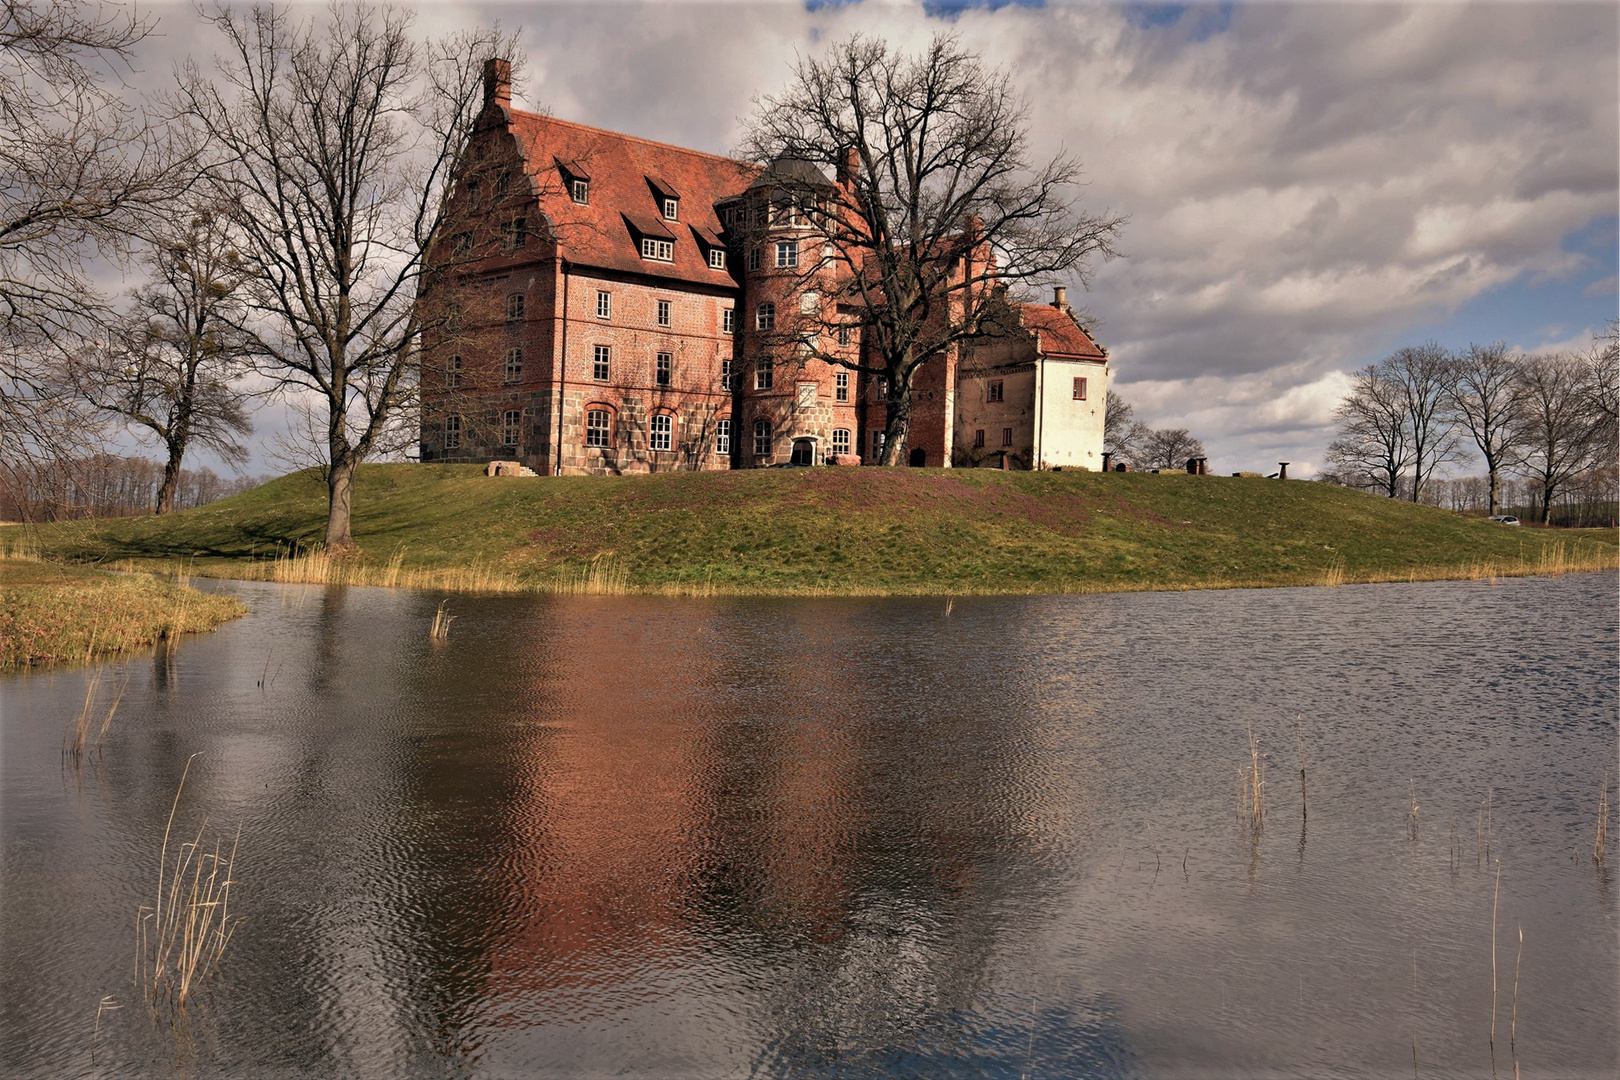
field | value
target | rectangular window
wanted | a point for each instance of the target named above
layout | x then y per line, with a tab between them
672	209
666	361
663	431
978	438
514	307
877	444
511	421
580	191
841	385
502	182
1079	389
764	373
657	250
452	373
840	441
762	438
717	258
514	365
604	304
600	356
992	391
464	243
753	258
1006	436
843	335
765	316
664	310
728	321
596	427
515	234
787	254
452	433
722	437
727	373
472	191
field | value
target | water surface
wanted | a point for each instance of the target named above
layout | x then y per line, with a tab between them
649	837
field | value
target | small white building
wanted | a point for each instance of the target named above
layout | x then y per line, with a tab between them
1034	395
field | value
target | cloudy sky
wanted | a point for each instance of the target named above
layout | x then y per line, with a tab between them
1309	185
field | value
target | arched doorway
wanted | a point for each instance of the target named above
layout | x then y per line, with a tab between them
919	458
804	452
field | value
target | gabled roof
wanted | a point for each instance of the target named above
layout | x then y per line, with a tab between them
623	171
1059	334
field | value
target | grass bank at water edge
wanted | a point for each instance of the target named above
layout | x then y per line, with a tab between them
51	613
830	531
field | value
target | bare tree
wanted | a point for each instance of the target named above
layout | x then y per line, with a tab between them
1119	426
1373	449
1168	448
1602	363
336	139
80	171
936	213
1418	374
1482	389
174	365
1559	433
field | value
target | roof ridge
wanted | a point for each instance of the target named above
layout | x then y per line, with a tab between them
633	138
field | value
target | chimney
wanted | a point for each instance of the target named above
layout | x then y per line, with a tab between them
849	165
498	83
1060	297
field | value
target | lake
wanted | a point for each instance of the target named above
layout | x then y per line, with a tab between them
836	838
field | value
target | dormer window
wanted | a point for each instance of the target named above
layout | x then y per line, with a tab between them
580	191
717	258
657	250
672	209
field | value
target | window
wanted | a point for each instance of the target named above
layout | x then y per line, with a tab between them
841	384
452	433
765	316
992	391
722	437
728	321
514	365
600	358
843	335
664	309
672	208
580	191
604	304
787	254
657	250
452	316
717	258
472	191
764	373
464	243
596	427
762	438
978	438
1079	389
511	421
516	233
877	444
514	307
666	361
452	373
663	431
727	374
502	182
1006	436
840	441
753	258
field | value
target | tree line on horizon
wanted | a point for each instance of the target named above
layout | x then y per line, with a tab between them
1548	420
279	204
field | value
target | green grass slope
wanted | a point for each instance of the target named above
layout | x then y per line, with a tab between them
859	531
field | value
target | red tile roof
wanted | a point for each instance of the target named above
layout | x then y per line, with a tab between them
623	171
1059	335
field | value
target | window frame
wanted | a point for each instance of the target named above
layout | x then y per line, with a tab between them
840	447
604	432
764	373
765	316
753	258
763	430
664	313
656	250
452	432
604	304
722	436
1006	436
728	320
512	366
663	368
661	430
717	258
601	363
514	307
1079	388
844	335
511	428
579	191
728	373
671	208
995	390
978	438
787	254
452	371
841	386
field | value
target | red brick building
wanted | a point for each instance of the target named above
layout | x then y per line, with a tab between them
600	303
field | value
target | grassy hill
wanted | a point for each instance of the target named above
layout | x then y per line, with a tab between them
854	531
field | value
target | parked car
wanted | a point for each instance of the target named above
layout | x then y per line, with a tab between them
1504	519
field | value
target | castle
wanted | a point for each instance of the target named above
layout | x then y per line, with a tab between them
599	303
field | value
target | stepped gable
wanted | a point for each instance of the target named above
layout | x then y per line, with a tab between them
1059	334
627	179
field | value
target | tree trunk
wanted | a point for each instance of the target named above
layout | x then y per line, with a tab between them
1547	492
896	429
339	481
1495	480
171	480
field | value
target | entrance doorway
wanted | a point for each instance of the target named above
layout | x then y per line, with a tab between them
919	458
804	452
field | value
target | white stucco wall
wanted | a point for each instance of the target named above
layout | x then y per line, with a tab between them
1069	433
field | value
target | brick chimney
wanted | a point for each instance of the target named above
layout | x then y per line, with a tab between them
849	166
498	82
1060	298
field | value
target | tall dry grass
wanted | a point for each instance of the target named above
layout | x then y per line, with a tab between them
1251	809
317	566
78	744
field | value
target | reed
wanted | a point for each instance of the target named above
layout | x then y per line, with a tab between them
605	576
1513	1030
1333	576
1412	814
1252	788
316	566
1495	896
181	938
1600	844
442	619
78	743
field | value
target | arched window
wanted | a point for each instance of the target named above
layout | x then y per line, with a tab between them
662	432
452	433
722	437
762	438
514	307
840	441
452	373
